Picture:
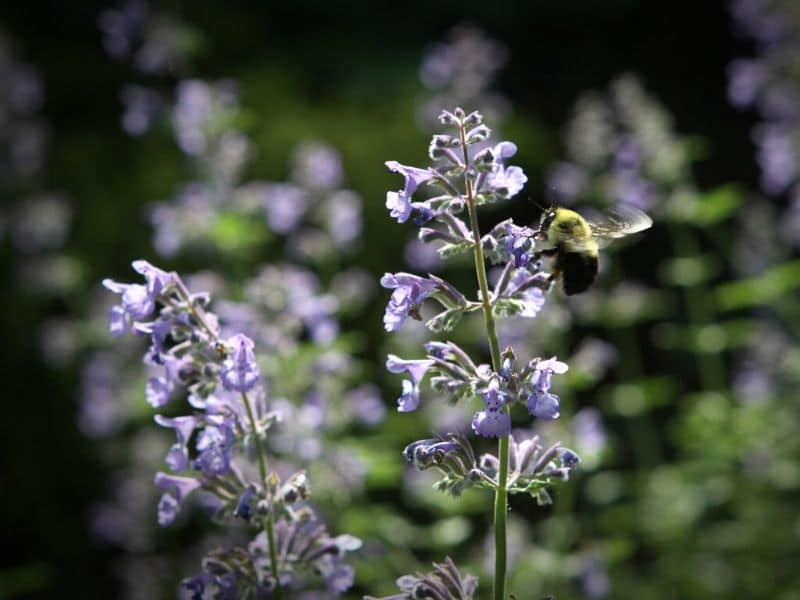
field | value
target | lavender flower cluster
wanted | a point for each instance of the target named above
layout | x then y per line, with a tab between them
622	150
461	177
468	173
768	82
216	443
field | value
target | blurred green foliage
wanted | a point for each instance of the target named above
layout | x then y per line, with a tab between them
695	494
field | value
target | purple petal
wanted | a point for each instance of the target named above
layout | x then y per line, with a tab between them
491	423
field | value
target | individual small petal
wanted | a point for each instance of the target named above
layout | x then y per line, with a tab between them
399	205
409	293
532	297
118	321
543	405
178	455
180	486
158	391
552	364
506	182
494	397
414	176
491	423
409	399
504	150
243	506
533	300
167	510
214	447
177	489
569	457
239	372
196	585
157	279
158	331
137	301
341	578
415	368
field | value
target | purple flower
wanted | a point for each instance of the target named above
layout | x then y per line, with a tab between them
399	206
168	507
504	181
138	301
532	297
491	423
214	446
366	404
158	331
243	508
518	242
569	457
317	166
159	390
541	403
178	455
118	321
176	490
409	292
340	578
409	400
399	203
776	156
196	585
503	150
284	205
494	397
239	371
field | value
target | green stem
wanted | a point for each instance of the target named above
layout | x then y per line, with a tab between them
700	310
501	492
262	469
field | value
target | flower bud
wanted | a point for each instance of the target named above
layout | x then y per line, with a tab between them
473	118
447	118
478	134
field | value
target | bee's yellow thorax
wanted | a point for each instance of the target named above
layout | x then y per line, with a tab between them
567	224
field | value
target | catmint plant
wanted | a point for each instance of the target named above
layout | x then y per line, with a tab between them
469	172
217	442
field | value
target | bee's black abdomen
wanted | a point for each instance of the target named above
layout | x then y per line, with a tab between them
578	271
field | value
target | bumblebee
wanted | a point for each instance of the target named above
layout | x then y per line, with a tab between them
574	242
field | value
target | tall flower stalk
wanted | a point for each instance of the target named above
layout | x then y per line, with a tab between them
228	423
501	493
469	172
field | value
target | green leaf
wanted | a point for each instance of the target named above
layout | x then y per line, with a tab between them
451	250
717	205
770	286
446	320
507	307
689	271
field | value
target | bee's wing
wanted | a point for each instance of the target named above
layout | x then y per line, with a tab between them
618	222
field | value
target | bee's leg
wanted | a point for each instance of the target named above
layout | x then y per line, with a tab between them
551	278
535	258
544	252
